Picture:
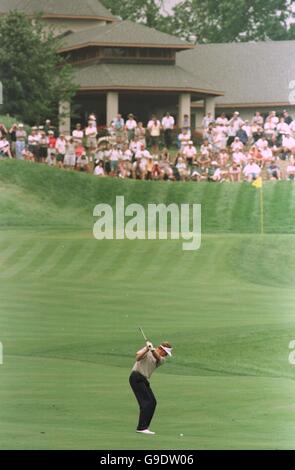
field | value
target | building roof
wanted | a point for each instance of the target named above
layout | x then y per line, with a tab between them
249	73
58	8
123	33
140	77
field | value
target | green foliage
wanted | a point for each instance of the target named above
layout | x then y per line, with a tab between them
34	77
211	21
142	11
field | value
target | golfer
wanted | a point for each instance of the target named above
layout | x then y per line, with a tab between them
147	360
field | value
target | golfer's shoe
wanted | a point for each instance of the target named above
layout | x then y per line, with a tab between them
146	431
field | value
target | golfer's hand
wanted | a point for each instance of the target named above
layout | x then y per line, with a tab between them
150	346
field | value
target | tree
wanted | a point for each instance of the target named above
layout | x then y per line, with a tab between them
211	21
147	12
34	76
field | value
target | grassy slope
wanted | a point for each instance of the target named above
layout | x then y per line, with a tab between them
35	196
70	307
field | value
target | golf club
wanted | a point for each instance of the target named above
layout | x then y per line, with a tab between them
142	332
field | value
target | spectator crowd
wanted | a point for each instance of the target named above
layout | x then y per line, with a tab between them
228	148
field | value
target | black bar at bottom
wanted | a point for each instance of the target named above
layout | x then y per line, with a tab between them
137	459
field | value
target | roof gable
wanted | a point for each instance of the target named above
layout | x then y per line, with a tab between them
123	33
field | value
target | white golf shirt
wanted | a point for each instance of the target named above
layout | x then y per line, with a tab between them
168	122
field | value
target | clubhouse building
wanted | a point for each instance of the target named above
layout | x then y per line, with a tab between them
121	66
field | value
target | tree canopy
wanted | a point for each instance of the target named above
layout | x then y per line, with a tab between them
209	21
34	77
212	21
143	11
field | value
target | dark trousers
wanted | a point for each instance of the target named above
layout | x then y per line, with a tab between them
145	397
168	138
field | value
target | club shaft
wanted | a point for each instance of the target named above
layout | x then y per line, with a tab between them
142	332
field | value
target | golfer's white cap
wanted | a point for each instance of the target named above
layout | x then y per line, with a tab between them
167	350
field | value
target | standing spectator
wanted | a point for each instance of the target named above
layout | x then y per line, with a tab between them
47	126
154	128
33	142
207	120
130	126
273	119
257	119
51	143
3	131
287	118
257	131
70	155
236	122
282	128
91	134
20	144
219	137
242	135
231	134
247	128
222	120
269	129
186	123
60	146
12	134
78	134
168	125
140	133
115	156
43	146
118	126
221	131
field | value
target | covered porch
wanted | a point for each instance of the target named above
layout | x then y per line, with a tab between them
142	105
109	89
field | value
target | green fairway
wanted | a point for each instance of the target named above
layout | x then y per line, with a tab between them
70	307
